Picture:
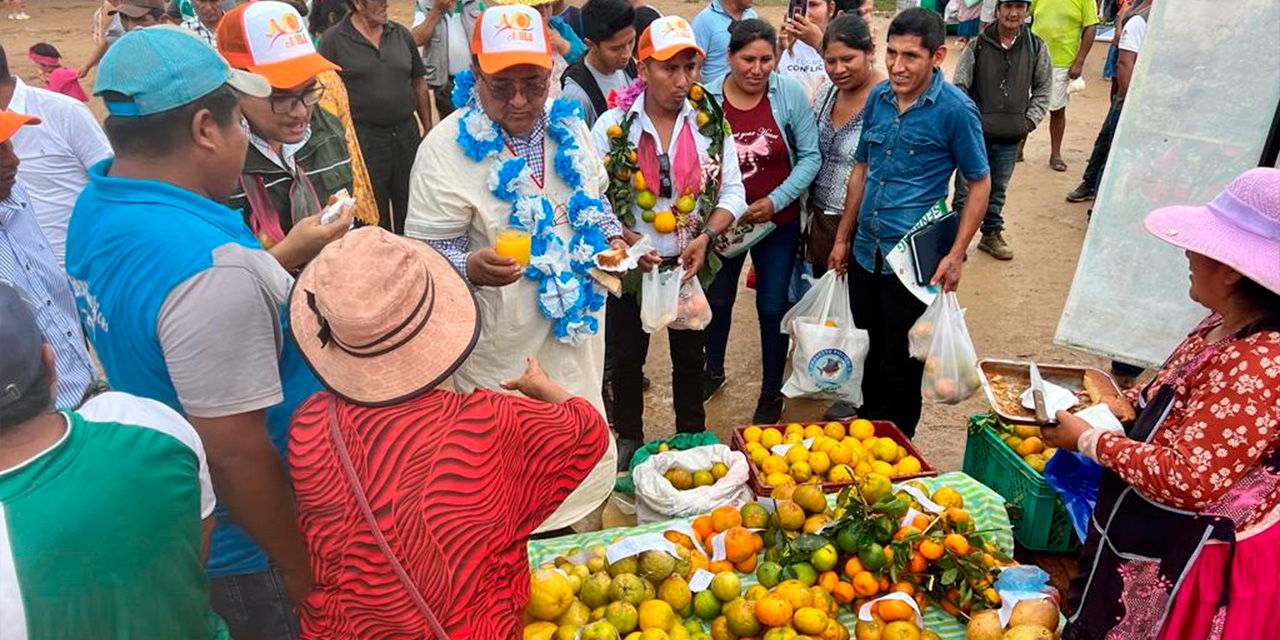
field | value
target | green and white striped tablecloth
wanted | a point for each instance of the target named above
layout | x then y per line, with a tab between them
985	506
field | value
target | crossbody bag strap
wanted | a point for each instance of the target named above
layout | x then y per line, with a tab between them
362	500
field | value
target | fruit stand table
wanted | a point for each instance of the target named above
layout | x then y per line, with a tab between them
985	506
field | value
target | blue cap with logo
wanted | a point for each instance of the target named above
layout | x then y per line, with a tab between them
20	345
164	67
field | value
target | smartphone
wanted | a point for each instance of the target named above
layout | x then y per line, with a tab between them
798	8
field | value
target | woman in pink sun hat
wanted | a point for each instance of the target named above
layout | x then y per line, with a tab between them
1184	540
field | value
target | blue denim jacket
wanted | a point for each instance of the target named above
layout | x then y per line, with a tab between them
794	116
910	158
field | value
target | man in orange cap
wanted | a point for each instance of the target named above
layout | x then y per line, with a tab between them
297	157
505	166
690	194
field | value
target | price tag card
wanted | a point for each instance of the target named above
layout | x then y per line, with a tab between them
808	442
628	547
781	449
700	580
718	551
924	500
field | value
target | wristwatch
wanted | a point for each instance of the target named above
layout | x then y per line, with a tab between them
711	235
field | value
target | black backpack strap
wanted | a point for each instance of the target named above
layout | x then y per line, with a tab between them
580	74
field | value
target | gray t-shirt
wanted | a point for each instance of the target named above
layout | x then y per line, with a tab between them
221	336
616	81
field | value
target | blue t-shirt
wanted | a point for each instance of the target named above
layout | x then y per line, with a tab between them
143	251
711	30
910	158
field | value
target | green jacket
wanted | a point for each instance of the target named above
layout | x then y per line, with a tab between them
324	158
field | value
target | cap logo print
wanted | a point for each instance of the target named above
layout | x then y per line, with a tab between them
287	27
516	27
677	28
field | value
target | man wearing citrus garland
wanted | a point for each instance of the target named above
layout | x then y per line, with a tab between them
505	165
665	145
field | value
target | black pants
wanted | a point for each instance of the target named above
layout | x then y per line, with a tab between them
444	99
1101	148
388	155
631	348
255	606
610	337
891	381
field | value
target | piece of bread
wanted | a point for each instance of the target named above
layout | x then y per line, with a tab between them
611	257
1102	390
1098	385
1120	408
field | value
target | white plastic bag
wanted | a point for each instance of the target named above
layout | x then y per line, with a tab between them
920	338
830	350
693	312
657	500
659	298
951	368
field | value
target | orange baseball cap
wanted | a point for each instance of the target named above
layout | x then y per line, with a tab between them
270	39
665	37
509	35
11	121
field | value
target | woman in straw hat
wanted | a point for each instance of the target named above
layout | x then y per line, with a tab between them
417	503
1185	534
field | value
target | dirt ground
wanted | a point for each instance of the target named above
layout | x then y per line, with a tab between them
1012	307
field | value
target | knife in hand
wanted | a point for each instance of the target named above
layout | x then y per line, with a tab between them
1037	395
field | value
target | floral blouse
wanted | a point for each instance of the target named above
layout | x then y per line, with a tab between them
1225	418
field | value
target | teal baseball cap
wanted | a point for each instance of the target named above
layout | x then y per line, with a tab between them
164	67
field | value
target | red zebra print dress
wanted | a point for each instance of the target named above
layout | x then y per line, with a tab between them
457	483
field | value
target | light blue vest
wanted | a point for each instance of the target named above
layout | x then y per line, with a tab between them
129	243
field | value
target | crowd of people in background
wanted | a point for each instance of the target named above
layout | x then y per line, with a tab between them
288	233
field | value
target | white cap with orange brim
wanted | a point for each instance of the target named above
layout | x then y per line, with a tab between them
270	39
665	37
510	35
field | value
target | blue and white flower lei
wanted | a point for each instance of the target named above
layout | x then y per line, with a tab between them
567	293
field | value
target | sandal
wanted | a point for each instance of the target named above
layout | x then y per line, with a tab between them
1057	164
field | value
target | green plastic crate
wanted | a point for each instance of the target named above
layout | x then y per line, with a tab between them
1040	519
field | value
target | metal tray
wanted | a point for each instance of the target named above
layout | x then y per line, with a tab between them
1067	376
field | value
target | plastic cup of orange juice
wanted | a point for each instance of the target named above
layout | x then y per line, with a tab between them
514	243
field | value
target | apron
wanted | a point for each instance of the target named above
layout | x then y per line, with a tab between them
1138	551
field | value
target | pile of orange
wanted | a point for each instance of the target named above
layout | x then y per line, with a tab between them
742	546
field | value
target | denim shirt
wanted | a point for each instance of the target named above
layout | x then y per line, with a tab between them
794	117
910	157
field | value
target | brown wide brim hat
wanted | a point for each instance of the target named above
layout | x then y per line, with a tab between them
381	319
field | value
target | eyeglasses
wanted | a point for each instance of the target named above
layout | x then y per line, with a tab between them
285	104
506	91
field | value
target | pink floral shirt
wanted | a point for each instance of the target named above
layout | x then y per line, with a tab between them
1225	418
